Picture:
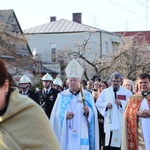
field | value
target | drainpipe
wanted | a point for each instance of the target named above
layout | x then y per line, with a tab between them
100	44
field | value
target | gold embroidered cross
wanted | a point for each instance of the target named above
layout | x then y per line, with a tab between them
74	69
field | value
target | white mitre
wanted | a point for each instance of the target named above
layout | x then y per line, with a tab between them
74	69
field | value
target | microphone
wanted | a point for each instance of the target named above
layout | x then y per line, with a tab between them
115	89
115	95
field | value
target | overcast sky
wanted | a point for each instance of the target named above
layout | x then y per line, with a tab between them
110	15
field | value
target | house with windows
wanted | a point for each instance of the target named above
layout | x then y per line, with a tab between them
48	41
15	50
12	46
9	24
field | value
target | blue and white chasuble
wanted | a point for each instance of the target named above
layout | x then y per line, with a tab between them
74	134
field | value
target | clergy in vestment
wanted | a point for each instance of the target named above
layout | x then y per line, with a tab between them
74	123
111	103
136	119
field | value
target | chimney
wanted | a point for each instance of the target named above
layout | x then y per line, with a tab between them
52	18
77	17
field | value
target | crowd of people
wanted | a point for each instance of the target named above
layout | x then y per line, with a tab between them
75	115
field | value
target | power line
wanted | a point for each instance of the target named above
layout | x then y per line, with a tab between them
128	23
146	6
124	8
141	3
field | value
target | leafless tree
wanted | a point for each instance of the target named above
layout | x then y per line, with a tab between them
131	57
13	49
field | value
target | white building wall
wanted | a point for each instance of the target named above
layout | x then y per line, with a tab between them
43	42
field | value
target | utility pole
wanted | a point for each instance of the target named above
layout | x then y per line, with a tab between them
146	14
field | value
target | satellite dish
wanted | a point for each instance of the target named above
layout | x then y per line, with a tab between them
34	52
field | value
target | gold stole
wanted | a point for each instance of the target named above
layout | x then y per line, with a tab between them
131	120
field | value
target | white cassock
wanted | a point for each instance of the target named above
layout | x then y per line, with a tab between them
145	125
74	134
112	117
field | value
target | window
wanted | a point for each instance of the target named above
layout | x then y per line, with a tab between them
53	55
115	46
105	48
53	52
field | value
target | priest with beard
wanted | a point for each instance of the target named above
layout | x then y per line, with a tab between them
111	104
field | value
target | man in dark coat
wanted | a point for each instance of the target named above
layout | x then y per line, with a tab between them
25	84
48	94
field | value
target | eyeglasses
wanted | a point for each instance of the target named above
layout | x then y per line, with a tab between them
116	81
102	85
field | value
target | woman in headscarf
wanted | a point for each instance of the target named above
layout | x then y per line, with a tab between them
23	124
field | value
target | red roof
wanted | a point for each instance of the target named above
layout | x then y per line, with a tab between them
144	34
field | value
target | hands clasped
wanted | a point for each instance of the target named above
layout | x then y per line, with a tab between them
117	102
143	113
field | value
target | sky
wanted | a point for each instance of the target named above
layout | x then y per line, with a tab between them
109	15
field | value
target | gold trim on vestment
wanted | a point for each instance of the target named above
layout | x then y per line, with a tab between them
131	120
139	96
141	144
